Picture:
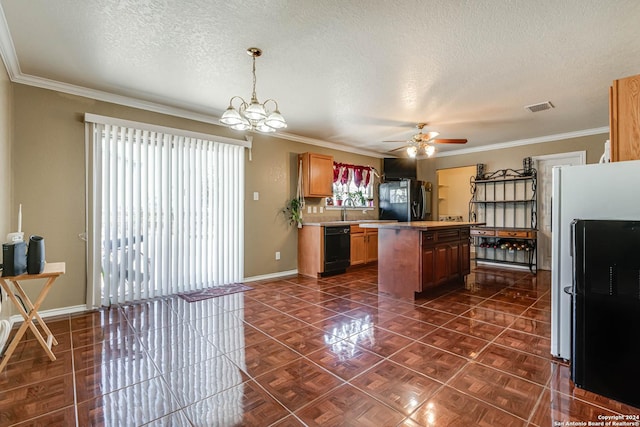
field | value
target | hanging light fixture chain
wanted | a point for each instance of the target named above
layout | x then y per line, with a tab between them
253	96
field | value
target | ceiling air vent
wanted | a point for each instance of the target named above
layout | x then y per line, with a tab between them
534	108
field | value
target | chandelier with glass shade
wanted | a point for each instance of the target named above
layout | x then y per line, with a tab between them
253	115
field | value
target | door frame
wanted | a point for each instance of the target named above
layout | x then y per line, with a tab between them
581	155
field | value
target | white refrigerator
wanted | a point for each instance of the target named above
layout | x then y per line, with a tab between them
596	191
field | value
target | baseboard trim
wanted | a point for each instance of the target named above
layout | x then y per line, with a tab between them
52	312
83	307
5	330
271	276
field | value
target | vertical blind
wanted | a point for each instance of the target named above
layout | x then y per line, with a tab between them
166	214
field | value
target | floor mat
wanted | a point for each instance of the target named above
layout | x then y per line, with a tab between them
215	291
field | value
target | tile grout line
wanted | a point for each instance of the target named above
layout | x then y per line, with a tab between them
499	370
412	341
73	370
537	405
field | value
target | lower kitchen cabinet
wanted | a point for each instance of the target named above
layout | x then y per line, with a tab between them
414	257
428	274
364	245
445	256
311	250
314	251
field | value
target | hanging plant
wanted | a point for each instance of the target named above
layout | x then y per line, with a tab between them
293	212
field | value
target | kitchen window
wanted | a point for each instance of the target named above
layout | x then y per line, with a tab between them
352	186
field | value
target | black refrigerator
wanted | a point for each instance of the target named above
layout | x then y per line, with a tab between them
606	308
405	200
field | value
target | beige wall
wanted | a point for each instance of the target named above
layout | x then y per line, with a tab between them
454	191
49	179
6	100
273	174
511	157
50	184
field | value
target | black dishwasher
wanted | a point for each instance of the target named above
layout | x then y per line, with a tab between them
337	249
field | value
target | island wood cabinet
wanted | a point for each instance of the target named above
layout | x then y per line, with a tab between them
317	175
445	257
364	245
624	119
414	257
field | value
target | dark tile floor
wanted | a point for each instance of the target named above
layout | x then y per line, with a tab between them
300	351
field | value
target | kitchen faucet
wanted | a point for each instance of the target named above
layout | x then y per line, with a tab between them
344	207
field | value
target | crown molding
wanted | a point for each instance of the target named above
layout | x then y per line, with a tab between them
528	141
10	59
168	110
332	145
7	50
126	101
205	118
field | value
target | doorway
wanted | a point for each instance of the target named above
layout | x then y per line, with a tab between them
454	193
545	165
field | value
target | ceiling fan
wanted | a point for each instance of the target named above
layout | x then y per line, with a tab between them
424	141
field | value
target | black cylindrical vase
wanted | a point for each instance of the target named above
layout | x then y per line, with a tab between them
35	255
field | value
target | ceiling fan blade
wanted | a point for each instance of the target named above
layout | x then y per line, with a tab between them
449	141
424	137
397	149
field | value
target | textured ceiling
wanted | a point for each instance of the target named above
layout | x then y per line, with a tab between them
354	73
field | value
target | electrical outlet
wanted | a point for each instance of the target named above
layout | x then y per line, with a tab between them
315	209
277	256
308	209
321	209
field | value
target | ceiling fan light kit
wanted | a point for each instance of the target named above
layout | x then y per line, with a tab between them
424	142
412	151
428	149
253	115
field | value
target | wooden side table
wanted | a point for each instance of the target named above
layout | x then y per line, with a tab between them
51	272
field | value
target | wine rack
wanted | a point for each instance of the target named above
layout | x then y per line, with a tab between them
505	201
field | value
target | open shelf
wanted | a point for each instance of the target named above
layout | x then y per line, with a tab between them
505	200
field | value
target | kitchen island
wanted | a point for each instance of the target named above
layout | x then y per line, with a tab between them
416	256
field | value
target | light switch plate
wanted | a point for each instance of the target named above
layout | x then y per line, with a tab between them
256	195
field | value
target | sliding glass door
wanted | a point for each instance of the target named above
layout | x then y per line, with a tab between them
166	212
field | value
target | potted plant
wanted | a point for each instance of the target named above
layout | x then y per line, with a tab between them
358	198
293	212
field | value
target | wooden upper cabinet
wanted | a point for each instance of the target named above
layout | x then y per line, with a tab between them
624	119
317	175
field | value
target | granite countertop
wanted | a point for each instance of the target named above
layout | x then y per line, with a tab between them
349	222
421	225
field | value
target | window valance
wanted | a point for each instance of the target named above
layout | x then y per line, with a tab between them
346	174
